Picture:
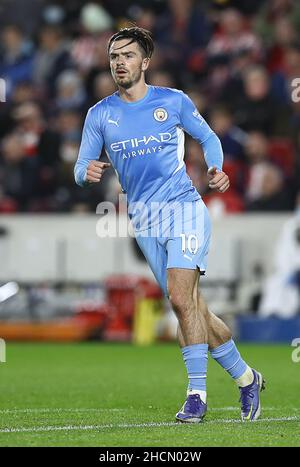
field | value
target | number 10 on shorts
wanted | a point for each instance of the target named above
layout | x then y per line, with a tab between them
189	242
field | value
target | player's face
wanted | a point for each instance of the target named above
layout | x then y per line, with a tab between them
127	63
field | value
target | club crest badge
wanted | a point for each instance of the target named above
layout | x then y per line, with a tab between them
160	114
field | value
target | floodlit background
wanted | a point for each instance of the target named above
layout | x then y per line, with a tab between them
239	61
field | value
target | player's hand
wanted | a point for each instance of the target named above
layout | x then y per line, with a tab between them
95	171
217	180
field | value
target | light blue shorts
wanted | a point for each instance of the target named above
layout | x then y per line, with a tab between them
180	241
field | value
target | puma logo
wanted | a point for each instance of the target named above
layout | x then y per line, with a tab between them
114	122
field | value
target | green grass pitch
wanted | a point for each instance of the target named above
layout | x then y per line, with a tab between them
95	394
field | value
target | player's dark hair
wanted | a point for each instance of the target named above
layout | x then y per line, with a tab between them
136	34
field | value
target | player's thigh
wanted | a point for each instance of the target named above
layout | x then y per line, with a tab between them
182	286
156	256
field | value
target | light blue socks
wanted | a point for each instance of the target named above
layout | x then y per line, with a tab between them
195	359
228	356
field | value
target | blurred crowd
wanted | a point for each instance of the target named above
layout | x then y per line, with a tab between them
238	60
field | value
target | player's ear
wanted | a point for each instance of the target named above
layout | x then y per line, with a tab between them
145	63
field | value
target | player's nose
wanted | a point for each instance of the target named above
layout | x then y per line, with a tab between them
120	62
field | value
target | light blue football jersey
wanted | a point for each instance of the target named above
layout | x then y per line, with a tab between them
144	141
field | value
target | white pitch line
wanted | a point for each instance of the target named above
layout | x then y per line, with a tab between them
84	427
133	425
267	419
76	410
57	409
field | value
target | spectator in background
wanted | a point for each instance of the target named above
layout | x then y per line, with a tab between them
100	66
218	71
144	15
283	79
269	184
233	140
198	29
70	91
265	189
23	92
65	192
69	123
231	136
18	173
26	14
257	109
29	124
181	31
270	12
16	57
232	47
233	36
103	86
284	35
240	62
89	48
52	58
256	147
39	144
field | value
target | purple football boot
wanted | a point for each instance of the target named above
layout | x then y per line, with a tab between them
193	410
250	402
